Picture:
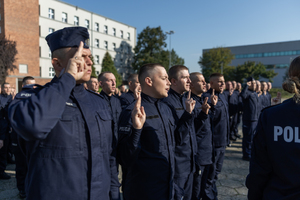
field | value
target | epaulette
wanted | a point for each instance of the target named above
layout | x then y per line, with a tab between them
27	91
95	93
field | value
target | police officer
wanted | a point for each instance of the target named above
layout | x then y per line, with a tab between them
134	87
274	165
186	151
107	81
68	130
147	133
93	84
21	164
250	115
204	157
220	124
5	100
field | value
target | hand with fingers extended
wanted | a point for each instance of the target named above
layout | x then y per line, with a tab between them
277	99
213	98
137	92
190	103
76	65
138	114
205	106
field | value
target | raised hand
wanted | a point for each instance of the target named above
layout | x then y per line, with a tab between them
138	114
230	92
205	106
213	98
190	103
249	83
76	65
137	92
277	99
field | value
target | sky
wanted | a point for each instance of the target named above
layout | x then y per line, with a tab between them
204	24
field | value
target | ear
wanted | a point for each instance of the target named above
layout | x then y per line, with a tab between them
56	65
148	81
100	83
173	81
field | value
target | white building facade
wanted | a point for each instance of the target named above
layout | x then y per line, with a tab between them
106	35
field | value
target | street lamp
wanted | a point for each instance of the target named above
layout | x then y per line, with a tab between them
170	33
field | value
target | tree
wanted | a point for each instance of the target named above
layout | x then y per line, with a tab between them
93	68
256	70
213	60
108	66
8	52
150	48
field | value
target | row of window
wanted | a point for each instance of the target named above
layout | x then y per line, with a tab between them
51	15
267	54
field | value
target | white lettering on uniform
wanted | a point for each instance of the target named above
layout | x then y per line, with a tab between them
25	94
277	131
288	134
297	139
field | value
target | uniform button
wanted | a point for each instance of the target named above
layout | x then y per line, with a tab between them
199	172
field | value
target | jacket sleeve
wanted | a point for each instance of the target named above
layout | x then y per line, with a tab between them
260	165
244	94
182	126
129	140
115	184
34	114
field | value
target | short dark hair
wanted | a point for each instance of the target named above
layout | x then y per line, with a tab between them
215	75
194	74
5	83
132	77
173	71
102	74
89	81
146	69
27	78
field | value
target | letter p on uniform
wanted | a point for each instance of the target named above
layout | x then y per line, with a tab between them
277	131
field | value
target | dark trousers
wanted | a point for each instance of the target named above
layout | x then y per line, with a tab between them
233	125
3	153
186	183
249	128
211	192
21	167
199	184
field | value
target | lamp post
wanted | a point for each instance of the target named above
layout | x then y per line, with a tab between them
170	33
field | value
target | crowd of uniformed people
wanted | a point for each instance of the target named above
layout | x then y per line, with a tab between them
168	131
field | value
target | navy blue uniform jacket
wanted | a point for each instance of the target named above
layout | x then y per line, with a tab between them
5	100
274	166
69	135
233	102
220	121
126	99
148	154
250	104
203	135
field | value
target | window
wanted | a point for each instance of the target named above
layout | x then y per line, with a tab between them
51	30
96	59
97	27
23	68
97	73
51	13
64	17
87	24
105	45
114	31
105	29
128	36
97	43
76	21
114	46
51	72
121	47
121	34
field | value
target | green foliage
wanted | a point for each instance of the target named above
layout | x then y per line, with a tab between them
284	94
256	70
108	66
213	60
8	52
150	48
93	68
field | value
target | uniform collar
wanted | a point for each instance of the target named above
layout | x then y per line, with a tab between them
173	92
104	95
197	98
148	98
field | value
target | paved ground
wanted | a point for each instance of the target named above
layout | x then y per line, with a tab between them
231	183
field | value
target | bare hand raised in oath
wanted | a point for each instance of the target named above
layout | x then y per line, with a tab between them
138	114
213	98
190	103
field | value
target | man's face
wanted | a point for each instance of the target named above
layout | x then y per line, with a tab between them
182	84
269	86
234	85
108	83
239	86
160	83
198	85
258	86
217	83
6	89
229	85
252	86
207	86
264	86
134	84
123	88
93	85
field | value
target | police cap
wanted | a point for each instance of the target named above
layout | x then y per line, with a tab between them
250	79
68	37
